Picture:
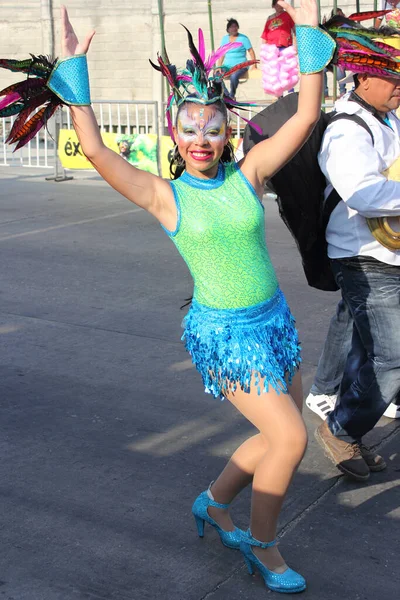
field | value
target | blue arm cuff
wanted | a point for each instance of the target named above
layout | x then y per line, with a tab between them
69	80
315	48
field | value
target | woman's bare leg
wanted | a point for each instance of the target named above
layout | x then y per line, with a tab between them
239	471
237	474
272	457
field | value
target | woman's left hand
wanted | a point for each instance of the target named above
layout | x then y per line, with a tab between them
70	45
307	14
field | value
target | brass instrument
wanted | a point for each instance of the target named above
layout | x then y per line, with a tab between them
384	233
381	227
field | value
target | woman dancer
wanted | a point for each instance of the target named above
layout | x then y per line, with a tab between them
239	330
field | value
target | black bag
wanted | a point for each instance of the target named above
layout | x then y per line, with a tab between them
300	187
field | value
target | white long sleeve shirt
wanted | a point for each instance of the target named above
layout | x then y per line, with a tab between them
353	164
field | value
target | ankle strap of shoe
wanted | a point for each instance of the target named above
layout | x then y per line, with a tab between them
253	542
212	501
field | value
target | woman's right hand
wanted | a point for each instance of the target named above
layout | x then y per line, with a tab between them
69	42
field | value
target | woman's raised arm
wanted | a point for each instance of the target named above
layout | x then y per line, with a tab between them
144	189
269	156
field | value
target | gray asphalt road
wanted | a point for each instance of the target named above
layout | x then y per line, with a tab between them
107	436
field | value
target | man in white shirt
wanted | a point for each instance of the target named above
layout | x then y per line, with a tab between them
353	160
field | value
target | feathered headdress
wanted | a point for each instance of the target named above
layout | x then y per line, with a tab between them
200	81
361	49
24	97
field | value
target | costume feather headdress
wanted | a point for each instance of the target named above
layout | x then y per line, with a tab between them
361	49
200	81
25	97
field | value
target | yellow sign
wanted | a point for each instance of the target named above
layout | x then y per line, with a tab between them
138	149
167	145
70	151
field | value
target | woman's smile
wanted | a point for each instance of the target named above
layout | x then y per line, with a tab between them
201	134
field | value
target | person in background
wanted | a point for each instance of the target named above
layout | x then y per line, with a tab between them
236	55
278	29
392	18
366	269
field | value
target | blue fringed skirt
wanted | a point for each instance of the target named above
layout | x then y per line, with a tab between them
237	347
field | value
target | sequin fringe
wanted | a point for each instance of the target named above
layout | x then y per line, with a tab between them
240	346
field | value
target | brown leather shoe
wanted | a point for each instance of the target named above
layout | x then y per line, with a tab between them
347	457
375	461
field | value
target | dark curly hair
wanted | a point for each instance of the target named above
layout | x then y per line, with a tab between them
232	22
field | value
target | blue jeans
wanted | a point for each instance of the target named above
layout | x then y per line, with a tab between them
371	378
334	355
234	79
340	74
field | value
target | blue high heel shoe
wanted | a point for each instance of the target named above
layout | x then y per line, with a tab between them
230	539
287	582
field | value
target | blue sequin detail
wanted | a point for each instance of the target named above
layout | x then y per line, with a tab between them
231	539
287	582
238	347
205	184
315	47
69	80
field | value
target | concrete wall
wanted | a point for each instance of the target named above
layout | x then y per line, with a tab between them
128	35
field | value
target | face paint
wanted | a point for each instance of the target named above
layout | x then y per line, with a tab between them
201	122
193	124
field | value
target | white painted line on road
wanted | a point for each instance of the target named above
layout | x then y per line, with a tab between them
46	229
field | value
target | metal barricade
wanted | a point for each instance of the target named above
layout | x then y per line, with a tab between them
120	117
37	153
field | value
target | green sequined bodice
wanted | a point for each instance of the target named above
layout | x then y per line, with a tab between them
221	236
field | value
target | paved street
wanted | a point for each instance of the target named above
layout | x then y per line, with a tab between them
106	435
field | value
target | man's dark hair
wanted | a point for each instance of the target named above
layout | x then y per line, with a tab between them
274	3
231	22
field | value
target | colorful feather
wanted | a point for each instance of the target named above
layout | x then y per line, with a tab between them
9	99
12	110
193	50
40	66
368	14
357	48
219	53
369	60
19	121
242	65
35	124
27	126
25	113
16	66
195	83
253	125
165	71
24	87
202	48
24	97
387	49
